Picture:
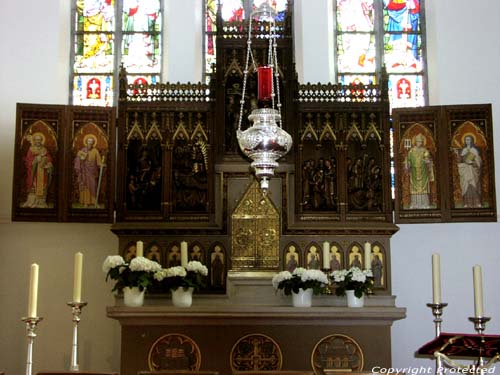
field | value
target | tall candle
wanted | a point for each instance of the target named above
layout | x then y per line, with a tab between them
77	278
184	253
33	292
368	256
326	255
478	290
436	278
139	249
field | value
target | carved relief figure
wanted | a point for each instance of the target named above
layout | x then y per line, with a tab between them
39	169
420	169
319	184
144	175
469	170
89	166
364	183
190	175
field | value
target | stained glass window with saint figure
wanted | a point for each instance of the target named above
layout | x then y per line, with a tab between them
371	35
107	34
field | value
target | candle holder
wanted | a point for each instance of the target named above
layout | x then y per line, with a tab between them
480	326
76	310
437	311
479	323
31	324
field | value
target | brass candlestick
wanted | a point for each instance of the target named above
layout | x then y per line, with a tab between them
31	323
437	311
76	310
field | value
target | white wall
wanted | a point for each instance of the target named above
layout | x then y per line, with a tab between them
36	70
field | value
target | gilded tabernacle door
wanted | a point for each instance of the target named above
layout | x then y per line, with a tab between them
255	232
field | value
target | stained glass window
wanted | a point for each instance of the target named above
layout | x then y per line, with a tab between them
372	34
231	10
103	41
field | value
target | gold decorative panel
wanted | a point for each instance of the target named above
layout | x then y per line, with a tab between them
256	352
255	232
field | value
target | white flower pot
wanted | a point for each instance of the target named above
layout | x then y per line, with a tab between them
182	297
303	298
133	297
353	301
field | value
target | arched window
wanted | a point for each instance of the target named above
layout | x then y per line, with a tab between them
368	36
372	34
231	10
108	34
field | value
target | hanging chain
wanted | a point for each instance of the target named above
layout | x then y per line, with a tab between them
276	75
245	72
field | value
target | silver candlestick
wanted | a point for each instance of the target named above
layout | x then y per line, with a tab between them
31	323
480	326
437	311
76	310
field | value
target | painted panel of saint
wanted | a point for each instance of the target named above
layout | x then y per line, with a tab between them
336	258
90	148
418	175
470	167
378	266
313	257
218	268
197	253
355	257
153	252
292	257
39	151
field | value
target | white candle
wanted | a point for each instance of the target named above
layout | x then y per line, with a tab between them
77	278
139	249
326	255
478	290
368	256
184	253
33	292
436	278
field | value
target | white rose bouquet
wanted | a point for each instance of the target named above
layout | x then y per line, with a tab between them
138	273
191	276
300	278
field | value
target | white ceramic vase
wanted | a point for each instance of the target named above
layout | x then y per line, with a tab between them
133	297
182	297
303	298
353	301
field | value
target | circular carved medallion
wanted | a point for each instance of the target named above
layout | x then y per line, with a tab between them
256	352
337	352
174	351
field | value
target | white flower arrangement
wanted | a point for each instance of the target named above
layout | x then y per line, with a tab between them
191	276
138	273
361	281
300	278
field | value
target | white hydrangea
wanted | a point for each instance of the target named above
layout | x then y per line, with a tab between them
279	277
144	264
112	261
160	275
314	275
339	275
176	271
298	271
197	267
358	275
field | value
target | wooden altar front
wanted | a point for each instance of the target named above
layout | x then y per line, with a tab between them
215	325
